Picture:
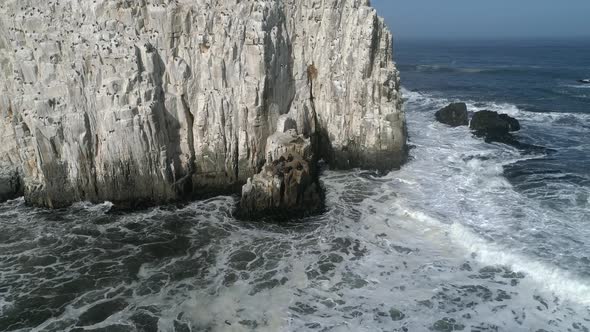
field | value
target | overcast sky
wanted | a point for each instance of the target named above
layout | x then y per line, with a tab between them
486	18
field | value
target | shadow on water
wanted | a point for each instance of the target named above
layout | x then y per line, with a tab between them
513	141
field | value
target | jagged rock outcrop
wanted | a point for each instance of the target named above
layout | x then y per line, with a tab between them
148	101
285	187
491	123
454	115
288	184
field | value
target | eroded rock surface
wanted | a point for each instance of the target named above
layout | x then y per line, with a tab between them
285	187
151	101
288	183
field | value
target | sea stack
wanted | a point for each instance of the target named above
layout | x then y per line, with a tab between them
148	103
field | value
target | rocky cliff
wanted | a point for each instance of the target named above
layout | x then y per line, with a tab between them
148	101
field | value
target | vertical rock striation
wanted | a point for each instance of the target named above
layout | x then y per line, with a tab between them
149	101
355	87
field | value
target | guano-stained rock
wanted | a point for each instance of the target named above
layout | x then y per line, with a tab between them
150	101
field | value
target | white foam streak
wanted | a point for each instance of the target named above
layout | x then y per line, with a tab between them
546	277
425	99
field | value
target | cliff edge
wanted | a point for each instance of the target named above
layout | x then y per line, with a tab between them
151	101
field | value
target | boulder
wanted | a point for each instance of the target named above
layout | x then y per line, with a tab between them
453	115
491	123
285	187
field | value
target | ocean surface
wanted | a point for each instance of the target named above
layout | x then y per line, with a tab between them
467	236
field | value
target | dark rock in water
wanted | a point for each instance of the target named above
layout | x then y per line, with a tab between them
585	81
285	187
453	115
101	311
513	124
10	184
494	127
488	123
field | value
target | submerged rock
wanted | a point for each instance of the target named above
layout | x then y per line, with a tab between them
489	123
494	127
453	115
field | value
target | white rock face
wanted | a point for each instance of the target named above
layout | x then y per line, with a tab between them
147	101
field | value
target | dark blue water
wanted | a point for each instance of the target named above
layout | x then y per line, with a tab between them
538	76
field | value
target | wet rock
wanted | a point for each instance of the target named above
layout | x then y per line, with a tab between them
101	311
489	123
286	187
453	115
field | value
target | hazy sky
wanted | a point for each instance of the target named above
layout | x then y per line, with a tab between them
485	18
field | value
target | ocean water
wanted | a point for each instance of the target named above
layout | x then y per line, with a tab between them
467	236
